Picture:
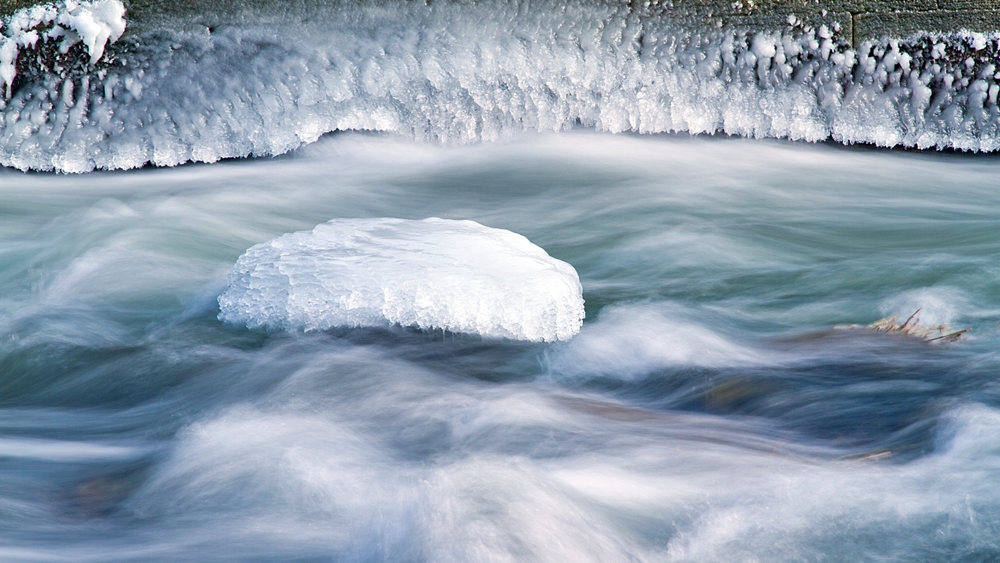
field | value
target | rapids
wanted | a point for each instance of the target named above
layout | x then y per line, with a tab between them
705	412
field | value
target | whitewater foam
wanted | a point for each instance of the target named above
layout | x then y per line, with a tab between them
630	341
932	305
457	276
174	94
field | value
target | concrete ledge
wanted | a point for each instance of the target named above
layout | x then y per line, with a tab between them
969	4
9	6
778	7
842	21
876	26
142	14
858	20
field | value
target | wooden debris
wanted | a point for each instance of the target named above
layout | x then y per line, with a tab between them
912	327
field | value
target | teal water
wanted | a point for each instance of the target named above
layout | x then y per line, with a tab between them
706	412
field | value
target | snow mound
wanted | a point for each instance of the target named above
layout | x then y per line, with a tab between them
458	276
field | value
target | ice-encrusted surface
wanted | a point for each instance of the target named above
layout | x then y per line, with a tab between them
51	28
458	276
460	72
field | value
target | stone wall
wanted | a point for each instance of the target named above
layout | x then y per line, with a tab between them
857	20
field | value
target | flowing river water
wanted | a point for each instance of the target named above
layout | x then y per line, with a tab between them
705	412
716	404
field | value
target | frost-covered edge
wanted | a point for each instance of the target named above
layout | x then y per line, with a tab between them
95	24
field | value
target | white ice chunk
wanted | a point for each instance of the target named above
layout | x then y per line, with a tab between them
978	41
764	45
432	274
8	58
97	23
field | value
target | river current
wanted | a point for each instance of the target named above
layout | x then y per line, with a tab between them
706	412
725	399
